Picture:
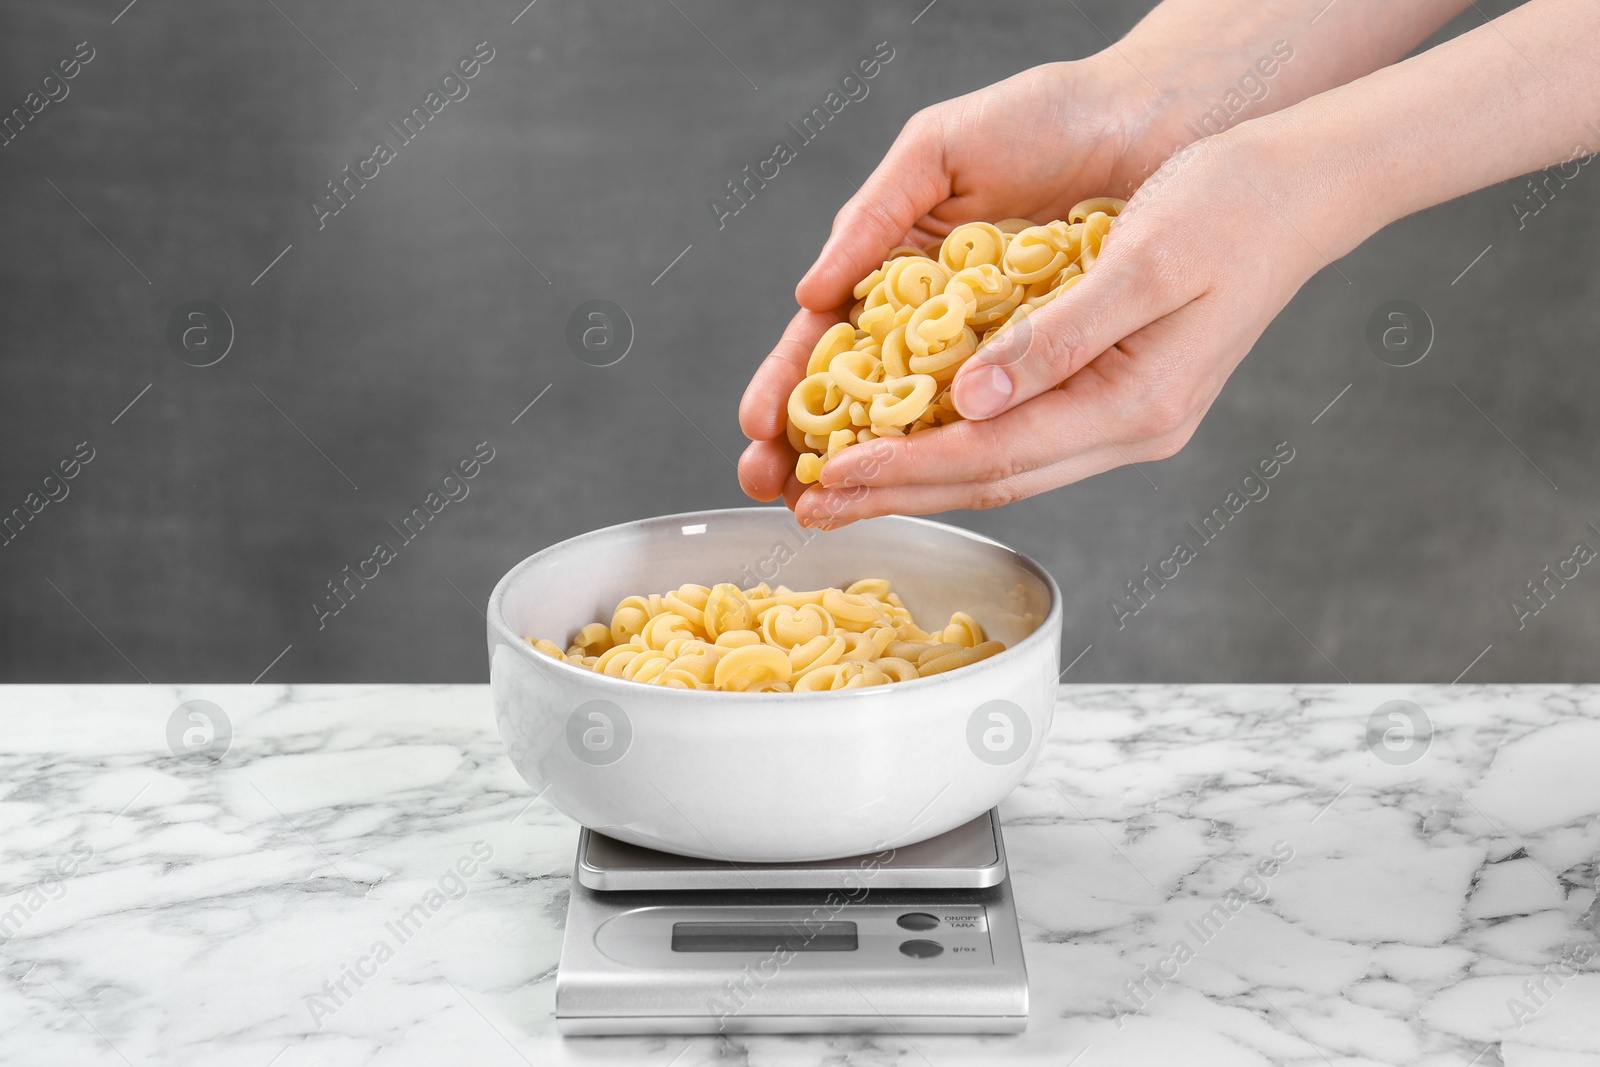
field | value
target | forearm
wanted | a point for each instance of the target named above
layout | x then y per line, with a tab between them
1215	64
1515	95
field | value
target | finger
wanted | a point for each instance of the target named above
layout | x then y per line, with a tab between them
921	237
765	468
906	185
793	489
832	508
763	409
1053	426
1119	296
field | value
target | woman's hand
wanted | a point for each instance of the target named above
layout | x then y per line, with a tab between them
1029	147
1118	369
1122	367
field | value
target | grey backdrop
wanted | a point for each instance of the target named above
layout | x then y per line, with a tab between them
378	351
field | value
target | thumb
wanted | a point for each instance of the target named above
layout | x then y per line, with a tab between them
1034	353
909	182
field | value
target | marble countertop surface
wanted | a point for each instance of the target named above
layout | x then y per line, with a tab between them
1204	875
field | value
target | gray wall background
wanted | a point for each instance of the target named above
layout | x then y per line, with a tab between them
377	352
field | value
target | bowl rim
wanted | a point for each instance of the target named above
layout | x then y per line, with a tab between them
495	616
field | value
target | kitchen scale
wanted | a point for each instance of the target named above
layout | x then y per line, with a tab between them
917	939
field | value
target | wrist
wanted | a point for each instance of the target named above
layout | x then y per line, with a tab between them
1309	171
1141	118
1193	92
1304	184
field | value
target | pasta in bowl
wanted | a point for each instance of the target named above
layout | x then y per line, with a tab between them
766	640
754	776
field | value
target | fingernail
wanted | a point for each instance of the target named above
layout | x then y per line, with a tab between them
983	391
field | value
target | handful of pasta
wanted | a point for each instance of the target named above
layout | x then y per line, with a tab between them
917	318
765	640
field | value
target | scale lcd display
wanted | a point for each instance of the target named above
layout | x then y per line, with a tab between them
764	937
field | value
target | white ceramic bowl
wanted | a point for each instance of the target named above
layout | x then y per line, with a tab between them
774	777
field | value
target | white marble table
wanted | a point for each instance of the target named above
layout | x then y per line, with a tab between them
160	911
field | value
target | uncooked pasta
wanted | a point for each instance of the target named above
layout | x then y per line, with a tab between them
772	640
921	315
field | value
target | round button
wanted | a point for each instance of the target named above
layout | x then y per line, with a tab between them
922	950
918	920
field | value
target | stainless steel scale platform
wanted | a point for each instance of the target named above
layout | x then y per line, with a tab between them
918	939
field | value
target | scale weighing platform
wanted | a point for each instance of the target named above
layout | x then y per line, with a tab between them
917	939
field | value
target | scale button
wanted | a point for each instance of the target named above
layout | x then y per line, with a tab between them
918	920
922	950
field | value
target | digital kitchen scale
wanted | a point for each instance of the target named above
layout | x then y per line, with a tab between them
917	939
